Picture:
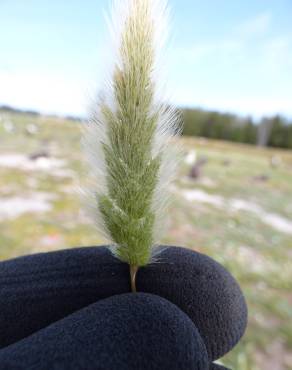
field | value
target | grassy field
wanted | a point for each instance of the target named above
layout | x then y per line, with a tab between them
238	211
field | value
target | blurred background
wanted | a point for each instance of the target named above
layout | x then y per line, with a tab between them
229	67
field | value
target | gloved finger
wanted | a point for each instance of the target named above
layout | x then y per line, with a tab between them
123	332
40	289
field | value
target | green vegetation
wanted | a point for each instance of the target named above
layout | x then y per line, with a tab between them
246	241
274	131
126	211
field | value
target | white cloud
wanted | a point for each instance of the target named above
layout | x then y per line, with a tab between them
44	91
239	73
255	106
257	25
277	53
258	106
200	51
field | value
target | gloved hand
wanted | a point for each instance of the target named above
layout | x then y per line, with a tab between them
38	290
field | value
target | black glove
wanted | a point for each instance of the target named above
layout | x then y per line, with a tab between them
40	289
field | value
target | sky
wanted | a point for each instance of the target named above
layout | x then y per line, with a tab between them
226	55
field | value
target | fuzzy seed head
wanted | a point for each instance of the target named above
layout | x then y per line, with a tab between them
129	138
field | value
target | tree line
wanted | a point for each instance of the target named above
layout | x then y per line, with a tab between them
274	131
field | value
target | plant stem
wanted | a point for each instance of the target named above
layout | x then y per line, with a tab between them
133	273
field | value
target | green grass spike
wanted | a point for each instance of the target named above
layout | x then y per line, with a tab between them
129	138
